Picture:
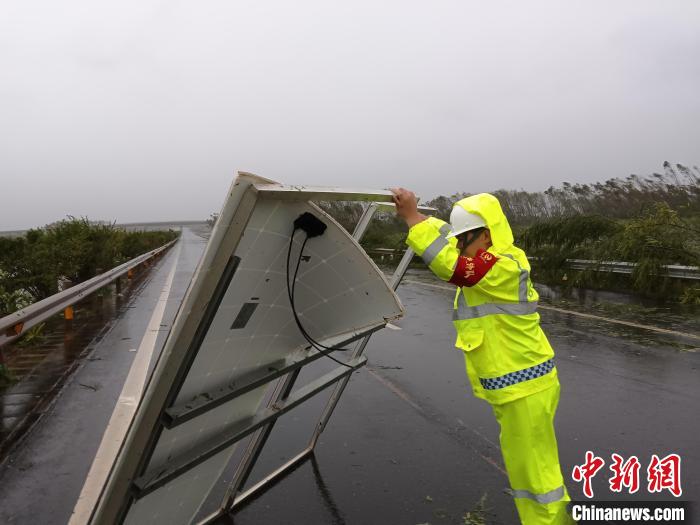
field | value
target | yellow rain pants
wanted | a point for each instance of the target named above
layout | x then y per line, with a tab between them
529	449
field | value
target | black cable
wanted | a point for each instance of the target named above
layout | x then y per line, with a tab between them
306	334
303	330
318	346
325	350
291	293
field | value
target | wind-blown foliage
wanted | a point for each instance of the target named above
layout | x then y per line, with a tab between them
652	221
569	234
678	186
654	239
384	231
76	249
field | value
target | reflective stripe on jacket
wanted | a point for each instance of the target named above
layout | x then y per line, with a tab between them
438	253
507	354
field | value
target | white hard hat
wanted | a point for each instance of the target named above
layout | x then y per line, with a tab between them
463	221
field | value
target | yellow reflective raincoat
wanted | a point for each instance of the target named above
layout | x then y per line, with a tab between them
507	354
508	358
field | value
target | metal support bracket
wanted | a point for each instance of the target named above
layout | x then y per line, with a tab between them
155	479
235	497
138	471
250	380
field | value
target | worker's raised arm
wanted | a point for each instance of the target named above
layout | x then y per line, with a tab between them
426	235
427	238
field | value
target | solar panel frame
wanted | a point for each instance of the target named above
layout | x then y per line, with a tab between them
212	277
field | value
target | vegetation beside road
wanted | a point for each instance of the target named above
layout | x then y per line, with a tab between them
73	249
656	237
651	221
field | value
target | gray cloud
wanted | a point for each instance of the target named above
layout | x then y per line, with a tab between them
144	110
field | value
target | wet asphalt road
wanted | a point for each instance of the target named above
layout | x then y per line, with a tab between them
408	444
41	480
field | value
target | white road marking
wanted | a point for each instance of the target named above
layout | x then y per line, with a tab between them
580	314
124	410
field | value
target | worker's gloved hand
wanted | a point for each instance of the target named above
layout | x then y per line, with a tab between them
407	206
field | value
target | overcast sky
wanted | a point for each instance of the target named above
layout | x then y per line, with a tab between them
141	110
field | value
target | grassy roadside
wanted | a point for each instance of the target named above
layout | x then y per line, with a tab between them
33	266
70	250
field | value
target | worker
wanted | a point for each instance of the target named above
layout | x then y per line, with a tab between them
508	359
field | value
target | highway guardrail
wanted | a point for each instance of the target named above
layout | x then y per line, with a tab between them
676	271
16	324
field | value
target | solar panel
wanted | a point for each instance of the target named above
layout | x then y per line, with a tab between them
234	336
